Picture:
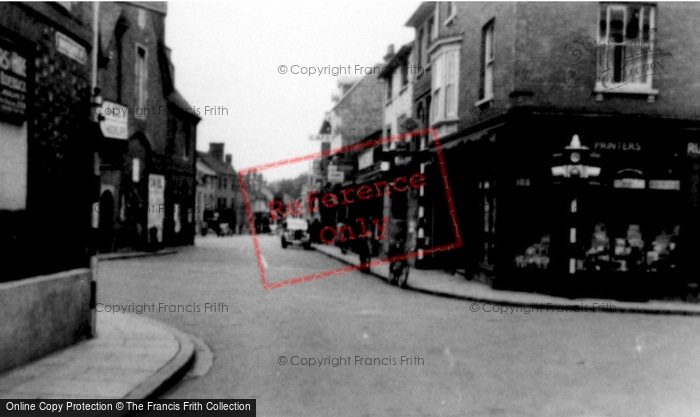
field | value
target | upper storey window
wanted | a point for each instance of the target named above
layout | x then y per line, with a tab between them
625	53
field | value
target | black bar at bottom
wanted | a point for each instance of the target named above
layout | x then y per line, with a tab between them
108	408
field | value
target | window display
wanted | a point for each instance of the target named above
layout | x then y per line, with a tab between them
535	256
632	250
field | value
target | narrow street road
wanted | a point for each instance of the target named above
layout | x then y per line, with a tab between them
472	363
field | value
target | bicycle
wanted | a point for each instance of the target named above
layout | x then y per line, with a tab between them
398	269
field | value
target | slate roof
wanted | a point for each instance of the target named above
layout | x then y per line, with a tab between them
220	167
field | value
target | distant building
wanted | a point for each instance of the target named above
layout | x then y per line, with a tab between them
258	195
398	118
148	137
206	194
219	192
356	116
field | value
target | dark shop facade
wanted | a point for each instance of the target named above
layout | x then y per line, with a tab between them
574	204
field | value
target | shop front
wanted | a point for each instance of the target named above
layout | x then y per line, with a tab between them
616	215
612	214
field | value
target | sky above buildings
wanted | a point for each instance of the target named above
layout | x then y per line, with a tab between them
227	58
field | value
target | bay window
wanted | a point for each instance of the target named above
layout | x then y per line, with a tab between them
445	84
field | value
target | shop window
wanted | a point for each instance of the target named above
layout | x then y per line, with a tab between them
531	234
640	249
636	230
626	39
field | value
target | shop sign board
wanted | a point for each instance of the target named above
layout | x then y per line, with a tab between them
664	184
339	168
115	122
633	183
693	149
156	203
617	146
13	83
366	159
70	48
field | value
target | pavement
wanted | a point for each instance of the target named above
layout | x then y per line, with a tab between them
441	283
132	358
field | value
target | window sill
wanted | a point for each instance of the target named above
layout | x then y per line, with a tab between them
483	101
626	89
445	121
486	267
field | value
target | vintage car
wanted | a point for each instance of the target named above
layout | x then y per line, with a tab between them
296	232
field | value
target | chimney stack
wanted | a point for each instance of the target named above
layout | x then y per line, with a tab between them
217	150
389	53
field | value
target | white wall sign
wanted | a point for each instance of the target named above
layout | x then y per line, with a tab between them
366	159
156	203
116	120
70	48
176	217
135	170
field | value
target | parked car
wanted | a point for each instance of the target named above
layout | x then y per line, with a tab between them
296	232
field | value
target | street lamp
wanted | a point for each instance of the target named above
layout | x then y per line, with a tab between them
575	164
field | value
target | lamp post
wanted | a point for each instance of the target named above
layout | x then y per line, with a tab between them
576	166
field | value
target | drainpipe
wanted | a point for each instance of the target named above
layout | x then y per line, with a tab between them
96	172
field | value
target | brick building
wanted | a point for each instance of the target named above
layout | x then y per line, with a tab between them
398	78
219	190
148	134
509	86
355	117
46	180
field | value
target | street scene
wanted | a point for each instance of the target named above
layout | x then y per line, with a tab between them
448	209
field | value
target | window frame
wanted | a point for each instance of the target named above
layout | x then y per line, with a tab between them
141	84
442	78
488	60
604	46
389	88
